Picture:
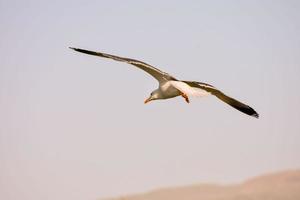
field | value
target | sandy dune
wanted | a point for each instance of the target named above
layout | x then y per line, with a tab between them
277	186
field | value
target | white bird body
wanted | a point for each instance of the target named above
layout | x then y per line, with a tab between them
167	90
188	90
170	87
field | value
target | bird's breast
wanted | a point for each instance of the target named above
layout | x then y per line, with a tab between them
168	90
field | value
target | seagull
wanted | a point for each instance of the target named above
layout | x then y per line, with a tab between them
170	87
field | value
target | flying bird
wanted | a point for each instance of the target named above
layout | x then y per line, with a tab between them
170	87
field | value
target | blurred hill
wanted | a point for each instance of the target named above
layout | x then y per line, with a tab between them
276	186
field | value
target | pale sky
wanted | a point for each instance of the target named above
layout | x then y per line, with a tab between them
74	126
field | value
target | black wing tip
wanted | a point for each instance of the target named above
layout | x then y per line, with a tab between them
245	109
256	115
85	51
73	48
80	50
250	111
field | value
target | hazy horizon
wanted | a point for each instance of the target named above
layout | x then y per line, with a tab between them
75	126
281	185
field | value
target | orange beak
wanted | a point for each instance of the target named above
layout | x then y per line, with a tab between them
147	100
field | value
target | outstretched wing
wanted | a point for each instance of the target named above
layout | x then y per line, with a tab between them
232	102
156	73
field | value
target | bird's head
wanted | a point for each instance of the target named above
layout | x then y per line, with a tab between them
153	96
